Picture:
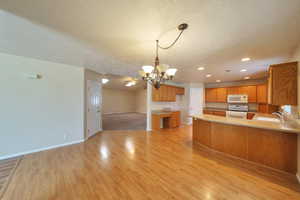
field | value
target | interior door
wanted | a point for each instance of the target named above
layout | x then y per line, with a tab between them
94	107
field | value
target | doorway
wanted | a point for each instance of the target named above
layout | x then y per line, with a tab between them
94	107
124	105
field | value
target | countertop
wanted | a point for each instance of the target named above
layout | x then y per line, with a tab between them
287	127
162	112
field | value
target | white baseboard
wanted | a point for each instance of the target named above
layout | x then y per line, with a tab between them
40	149
298	177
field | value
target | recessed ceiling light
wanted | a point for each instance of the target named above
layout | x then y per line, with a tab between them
218	81
247	77
200	68
245	59
208	75
243	70
104	80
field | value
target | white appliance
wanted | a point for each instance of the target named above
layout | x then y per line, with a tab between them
236	114
237	98
237	111
238	107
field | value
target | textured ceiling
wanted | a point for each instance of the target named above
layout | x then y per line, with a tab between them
119	36
118	83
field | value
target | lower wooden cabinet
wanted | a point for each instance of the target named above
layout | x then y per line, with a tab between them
175	119
220	113
208	112
215	112
201	131
274	149
168	120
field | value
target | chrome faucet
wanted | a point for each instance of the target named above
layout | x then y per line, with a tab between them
280	115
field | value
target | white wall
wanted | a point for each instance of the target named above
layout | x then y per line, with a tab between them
195	100
141	100
39	113
118	101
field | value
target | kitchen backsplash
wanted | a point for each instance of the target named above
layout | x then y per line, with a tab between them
252	106
178	105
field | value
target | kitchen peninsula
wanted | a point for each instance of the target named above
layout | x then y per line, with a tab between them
268	143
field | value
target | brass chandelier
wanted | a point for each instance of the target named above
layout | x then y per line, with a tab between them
161	72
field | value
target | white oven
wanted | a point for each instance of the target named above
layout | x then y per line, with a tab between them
237	111
237	98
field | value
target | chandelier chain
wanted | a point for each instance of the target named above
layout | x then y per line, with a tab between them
173	43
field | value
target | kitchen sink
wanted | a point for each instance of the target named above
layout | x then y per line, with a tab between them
269	119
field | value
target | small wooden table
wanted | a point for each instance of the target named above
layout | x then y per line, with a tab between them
163	119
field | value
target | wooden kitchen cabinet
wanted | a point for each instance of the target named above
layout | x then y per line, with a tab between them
220	113
210	94
251	91
262	93
168	120
221	95
208	112
215	112
179	91
282	84
233	90
202	131
175	119
166	93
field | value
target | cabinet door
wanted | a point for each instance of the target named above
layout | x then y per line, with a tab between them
168	93
179	91
252	95
175	119
222	95
201	132
284	84
172	93
163	93
233	90
262	93
219	113
208	112
155	94
211	94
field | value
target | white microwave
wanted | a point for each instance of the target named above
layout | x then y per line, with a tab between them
237	98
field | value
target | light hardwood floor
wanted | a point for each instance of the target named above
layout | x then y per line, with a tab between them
139	165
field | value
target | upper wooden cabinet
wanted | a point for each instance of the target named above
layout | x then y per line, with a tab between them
282	84
233	90
251	91
166	93
179	90
220	94
216	94
211	94
262	93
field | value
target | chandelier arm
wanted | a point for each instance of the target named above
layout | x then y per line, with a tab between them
173	43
